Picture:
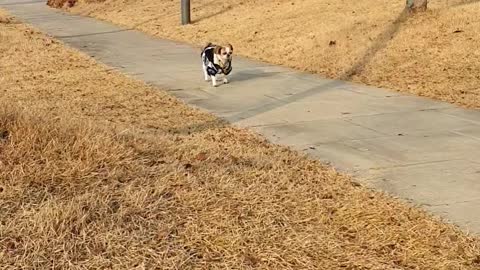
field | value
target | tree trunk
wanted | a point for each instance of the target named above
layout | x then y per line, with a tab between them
417	5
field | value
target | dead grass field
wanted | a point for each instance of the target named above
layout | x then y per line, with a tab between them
435	54
98	171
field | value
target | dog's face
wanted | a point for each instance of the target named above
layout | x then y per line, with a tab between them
224	52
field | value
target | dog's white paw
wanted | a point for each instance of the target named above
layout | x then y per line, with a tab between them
214	81
225	81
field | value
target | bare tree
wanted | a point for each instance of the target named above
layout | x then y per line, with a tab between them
417	5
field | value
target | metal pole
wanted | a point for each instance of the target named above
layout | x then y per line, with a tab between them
185	10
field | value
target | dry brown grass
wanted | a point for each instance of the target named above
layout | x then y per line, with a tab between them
98	171
374	44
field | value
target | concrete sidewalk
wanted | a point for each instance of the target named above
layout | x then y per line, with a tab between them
419	149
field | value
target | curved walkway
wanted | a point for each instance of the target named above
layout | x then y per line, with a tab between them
425	151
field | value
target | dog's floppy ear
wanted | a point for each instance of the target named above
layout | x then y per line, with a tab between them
217	50
231	47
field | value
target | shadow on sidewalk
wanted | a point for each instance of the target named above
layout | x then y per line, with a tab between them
246	75
380	43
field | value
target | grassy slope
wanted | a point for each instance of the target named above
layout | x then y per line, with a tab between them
374	44
100	171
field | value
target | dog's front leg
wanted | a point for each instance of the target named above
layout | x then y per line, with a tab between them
214	81
225	79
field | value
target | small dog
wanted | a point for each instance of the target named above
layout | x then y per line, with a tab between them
217	60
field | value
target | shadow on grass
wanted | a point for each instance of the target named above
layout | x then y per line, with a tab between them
199	127
464	3
380	43
214	14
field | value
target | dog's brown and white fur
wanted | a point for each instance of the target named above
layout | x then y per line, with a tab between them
217	60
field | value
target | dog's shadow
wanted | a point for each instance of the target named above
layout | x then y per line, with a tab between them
249	75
